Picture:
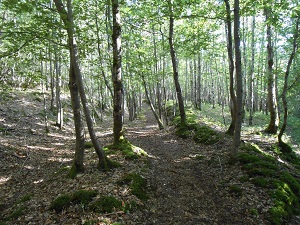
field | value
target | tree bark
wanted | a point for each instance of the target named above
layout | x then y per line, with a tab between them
281	143
239	83
272	101
67	18
117	73
233	103
251	75
175	70
160	125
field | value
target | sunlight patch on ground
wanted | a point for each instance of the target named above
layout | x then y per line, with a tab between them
38	181
39	148
59	136
3	180
58	159
151	126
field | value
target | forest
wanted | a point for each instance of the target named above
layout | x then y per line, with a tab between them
149	112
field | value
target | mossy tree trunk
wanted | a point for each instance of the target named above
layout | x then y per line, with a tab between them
117	73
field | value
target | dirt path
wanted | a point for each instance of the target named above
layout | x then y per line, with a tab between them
190	183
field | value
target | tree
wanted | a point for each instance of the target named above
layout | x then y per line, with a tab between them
175	67
239	82
67	18
117	73
284	146
271	76
233	105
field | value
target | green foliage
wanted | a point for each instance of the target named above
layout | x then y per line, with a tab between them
106	204
206	135
137	185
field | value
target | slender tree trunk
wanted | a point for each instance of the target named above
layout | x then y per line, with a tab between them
117	72
251	75
175	70
283	146
272	101
160	125
239	82
67	18
233	103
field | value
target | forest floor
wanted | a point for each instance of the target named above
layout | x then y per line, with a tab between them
187	183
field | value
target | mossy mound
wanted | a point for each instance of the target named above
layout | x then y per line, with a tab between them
264	171
206	135
64	201
83	196
137	185
107	204
130	151
60	203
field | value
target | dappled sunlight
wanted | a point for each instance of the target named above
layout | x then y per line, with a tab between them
59	159
3	179
37	147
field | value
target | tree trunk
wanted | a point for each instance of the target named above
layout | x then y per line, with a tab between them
272	101
67	18
117	73
284	147
239	83
175	71
251	75
233	103
160	125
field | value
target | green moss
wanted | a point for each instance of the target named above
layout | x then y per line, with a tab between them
74	170
131	206
25	198
88	144
183	132
137	185
106	204
129	150
206	135
91	222
261	181
83	196
17	213
253	212
236	190
245	157
60	203
261	172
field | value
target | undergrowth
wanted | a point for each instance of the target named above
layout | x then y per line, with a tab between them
265	171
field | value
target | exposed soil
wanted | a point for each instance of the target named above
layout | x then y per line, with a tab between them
188	183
